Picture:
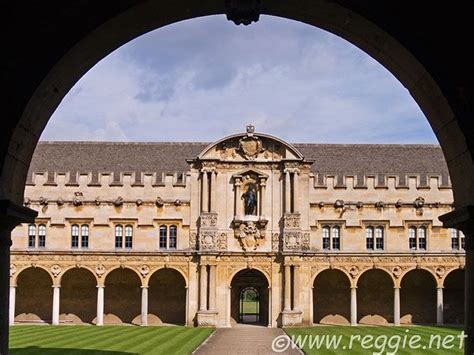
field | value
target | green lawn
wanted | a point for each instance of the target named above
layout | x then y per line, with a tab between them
250	307
385	340
108	340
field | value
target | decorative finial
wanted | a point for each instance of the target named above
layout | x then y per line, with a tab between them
250	129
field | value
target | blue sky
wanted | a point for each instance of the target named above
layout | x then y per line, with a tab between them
202	79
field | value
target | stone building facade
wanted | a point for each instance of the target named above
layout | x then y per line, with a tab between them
175	233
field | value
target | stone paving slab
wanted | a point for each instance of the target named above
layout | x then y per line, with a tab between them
239	341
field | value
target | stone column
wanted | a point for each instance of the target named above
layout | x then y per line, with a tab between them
296	288
186	322
12	305
287	191
311	306
287	306
203	288
237	204
144	321
100	305
296	191
439	306
55	318
213	191
354	305
229	305
269	307
212	287
263	184
11	215
205	191
462	218
396	305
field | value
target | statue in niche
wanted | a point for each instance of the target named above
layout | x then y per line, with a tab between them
250	200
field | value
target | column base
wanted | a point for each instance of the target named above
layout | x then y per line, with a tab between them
291	318
206	318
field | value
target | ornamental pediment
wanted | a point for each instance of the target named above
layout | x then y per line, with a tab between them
251	147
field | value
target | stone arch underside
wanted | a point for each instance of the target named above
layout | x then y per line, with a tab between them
453	297
331	298
34	296
244	279
166	298
418	298
375	297
78	301
122	302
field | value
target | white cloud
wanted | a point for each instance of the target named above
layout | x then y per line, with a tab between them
203	79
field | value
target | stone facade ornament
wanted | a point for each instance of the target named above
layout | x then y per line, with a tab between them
159	202
139	202
249	236
177	202
250	147
276	242
398	204
379	204
339	204
207	240
144	270
440	271
359	205
60	201
292	220
26	201
97	201
78	199
56	270
43	201
397	271
118	202
208	220
353	271
13	269
100	270
419	202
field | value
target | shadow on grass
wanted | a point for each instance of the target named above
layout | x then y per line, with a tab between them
61	351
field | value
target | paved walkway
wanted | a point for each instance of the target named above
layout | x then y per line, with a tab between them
243	340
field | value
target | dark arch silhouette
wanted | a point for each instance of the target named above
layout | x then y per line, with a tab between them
418	297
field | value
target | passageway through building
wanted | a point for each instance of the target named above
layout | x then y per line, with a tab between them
249	298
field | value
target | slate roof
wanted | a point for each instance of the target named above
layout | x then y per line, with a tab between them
168	157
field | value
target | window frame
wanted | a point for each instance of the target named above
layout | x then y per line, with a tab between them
417	242
42	235
118	236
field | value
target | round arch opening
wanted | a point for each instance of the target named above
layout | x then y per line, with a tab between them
249	298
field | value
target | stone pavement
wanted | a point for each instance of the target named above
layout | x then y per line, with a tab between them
243	340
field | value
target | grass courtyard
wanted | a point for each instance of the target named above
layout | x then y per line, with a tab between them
107	340
378	340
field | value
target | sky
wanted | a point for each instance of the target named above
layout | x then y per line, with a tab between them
203	79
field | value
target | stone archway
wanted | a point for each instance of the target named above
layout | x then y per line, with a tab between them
167	298
246	279
332	298
34	296
440	82
418	298
78	300
375	297
453	297
122	297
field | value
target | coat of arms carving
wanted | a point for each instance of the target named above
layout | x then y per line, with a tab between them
250	147
249	236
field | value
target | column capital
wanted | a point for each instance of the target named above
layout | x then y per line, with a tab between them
144	286
100	286
56	286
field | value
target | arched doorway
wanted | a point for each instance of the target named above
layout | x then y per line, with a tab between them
418	298
34	296
78	301
375	297
122	297
249	309
167	298
453	297
249	298
331	298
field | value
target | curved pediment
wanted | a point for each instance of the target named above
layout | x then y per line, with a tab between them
250	146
